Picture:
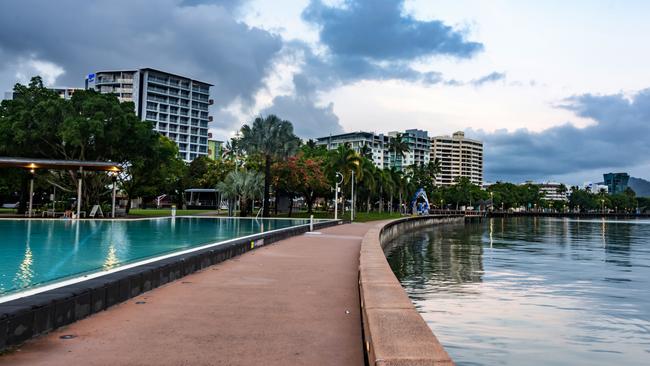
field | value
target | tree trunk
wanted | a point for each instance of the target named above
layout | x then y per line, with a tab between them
381	199
310	204
267	185
290	204
390	208
275	204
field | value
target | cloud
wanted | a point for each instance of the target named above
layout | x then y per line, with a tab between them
204	40
489	78
375	40
309	119
617	139
379	30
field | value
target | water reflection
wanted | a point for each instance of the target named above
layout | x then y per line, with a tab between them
542	292
36	252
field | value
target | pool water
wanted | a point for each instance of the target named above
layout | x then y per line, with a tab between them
533	291
39	252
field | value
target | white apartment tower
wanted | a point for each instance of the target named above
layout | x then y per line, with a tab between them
177	106
419	148
459	157
377	145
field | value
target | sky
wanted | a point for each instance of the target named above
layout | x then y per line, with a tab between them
556	90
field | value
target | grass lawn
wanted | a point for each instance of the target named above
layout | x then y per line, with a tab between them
7	210
165	212
359	217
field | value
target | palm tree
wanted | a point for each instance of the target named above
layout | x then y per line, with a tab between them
366	151
272	139
368	180
243	185
344	160
399	185
434	168
398	148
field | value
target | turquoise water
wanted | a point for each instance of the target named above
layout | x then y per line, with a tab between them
533	291
38	252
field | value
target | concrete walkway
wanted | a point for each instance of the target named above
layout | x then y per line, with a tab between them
295	302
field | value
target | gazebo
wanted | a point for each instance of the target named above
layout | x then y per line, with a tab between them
33	164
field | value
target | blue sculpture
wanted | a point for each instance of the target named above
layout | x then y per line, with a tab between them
420	208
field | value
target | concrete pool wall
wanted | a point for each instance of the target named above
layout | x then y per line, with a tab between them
394	332
40	313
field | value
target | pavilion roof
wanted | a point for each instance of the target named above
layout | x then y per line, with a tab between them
29	163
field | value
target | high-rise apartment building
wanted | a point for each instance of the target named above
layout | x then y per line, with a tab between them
176	105
459	157
377	145
419	148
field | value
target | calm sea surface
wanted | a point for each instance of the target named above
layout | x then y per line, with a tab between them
528	291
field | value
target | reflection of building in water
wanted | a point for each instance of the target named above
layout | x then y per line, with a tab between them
617	242
445	256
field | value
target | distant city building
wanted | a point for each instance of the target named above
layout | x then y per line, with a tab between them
553	191
419	148
595	187
215	149
616	182
459	157
176	105
378	145
65	93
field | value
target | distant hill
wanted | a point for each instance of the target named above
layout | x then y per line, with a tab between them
640	186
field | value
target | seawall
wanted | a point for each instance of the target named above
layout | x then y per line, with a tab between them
394	332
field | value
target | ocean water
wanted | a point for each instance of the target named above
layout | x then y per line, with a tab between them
533	291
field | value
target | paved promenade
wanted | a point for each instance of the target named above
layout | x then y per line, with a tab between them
295	302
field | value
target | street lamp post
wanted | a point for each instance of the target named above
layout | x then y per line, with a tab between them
352	205
114	179
339	180
31	191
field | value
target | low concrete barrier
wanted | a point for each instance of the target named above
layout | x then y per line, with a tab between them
394	332
30	316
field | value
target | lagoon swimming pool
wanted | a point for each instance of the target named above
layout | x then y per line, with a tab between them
34	253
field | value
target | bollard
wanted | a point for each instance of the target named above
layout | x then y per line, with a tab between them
311	223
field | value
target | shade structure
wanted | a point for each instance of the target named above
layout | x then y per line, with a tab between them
28	163
81	165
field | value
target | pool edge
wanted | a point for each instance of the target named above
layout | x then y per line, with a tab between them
27	317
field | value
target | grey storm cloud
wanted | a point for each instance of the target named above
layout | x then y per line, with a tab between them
310	120
201	39
617	138
364	40
375	40
207	40
379	30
